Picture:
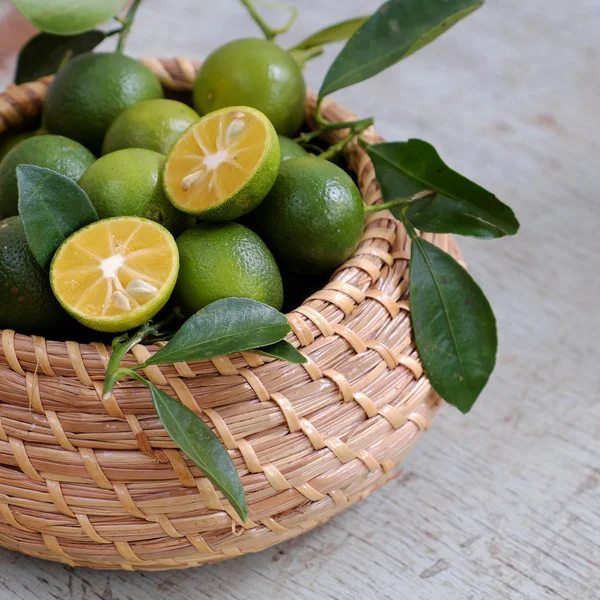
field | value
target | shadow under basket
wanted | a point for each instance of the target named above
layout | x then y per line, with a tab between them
100	484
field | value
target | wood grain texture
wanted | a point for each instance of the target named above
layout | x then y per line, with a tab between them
503	503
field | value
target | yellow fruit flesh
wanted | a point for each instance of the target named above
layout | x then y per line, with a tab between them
214	158
114	268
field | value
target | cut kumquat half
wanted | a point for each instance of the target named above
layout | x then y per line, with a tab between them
115	274
224	165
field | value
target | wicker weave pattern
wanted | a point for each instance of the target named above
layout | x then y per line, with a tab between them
99	483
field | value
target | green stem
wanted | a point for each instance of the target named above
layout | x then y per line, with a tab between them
306	137
412	232
127	23
322	121
398	202
267	31
122	345
124	372
312	148
357	128
360	126
113	32
338	147
294	12
303	56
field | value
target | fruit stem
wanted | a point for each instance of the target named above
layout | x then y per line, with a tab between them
131	373
303	56
127	23
121	373
410	230
356	128
334	150
294	12
122	345
267	31
405	201
113	32
322	121
359	126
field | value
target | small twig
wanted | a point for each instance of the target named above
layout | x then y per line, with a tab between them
267	31
113	32
334	150
124	372
312	148
303	56
308	136
361	125
122	345
294	12
399	201
127	23
356	128
410	230
318	116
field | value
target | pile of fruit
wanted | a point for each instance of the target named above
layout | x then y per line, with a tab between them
125	204
193	204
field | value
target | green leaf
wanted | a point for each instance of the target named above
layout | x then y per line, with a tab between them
283	350
334	33
395	31
202	446
44	52
459	206
223	327
51	207
68	17
454	325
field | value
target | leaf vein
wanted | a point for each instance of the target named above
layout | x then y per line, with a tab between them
417	242
438	189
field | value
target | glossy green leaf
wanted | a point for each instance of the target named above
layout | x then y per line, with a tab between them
68	17
202	446
334	33
283	350
51	207
223	327
454	325
459	206
395	31
44	53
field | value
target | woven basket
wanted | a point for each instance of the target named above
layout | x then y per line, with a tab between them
100	484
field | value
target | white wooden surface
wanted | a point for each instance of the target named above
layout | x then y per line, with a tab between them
503	503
